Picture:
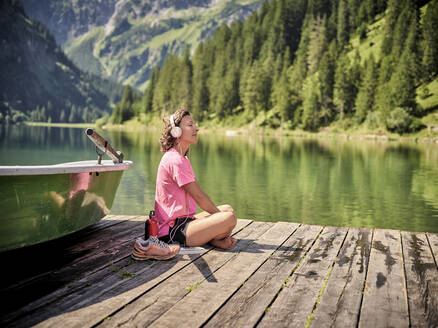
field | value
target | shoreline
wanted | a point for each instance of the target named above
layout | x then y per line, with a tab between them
230	132
62	125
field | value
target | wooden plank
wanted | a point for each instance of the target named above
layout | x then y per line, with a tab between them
72	246
296	300
433	241
247	306
53	265
77	286
197	306
100	298
241	224
384	302
157	301
51	248
342	296
421	280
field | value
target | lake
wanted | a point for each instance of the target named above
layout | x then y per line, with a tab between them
325	182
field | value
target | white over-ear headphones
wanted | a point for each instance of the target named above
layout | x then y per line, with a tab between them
176	130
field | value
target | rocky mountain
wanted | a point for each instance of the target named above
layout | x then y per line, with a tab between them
125	39
38	80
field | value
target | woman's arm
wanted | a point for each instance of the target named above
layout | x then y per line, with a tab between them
201	198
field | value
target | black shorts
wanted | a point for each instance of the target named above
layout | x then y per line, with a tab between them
177	233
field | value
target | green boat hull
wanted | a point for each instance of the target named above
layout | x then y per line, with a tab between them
37	208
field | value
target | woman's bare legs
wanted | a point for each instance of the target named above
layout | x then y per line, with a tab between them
215	228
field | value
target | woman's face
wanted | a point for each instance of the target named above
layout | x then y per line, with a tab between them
189	130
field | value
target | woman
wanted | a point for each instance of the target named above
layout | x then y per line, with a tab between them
178	192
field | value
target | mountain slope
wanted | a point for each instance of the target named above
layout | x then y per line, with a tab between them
38	79
125	39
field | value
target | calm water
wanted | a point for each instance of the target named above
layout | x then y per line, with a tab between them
359	184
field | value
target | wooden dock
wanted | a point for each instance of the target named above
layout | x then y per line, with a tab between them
278	274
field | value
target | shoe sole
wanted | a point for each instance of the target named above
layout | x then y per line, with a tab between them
151	257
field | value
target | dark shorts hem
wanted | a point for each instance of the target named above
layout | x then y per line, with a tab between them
177	233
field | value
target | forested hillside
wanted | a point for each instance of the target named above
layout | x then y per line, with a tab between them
306	64
38	82
125	39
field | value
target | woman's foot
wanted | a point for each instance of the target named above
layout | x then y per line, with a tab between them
224	243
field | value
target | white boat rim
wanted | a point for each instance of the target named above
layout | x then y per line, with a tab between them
72	167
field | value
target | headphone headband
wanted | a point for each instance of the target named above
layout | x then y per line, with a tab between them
176	130
172	121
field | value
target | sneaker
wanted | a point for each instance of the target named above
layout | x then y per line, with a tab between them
153	248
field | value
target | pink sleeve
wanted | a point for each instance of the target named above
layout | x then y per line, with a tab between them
183	172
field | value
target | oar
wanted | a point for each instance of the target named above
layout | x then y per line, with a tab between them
104	146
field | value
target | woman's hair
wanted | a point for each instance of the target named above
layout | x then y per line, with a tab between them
166	139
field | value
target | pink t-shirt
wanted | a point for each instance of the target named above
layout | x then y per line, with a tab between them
171	200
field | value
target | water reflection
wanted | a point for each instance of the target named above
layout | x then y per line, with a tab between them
327	182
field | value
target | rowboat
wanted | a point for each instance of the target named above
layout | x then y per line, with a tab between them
41	203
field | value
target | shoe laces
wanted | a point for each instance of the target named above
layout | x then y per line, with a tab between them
158	242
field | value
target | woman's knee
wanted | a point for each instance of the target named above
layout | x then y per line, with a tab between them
230	219
226	208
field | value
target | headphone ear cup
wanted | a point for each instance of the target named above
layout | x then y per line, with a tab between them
176	132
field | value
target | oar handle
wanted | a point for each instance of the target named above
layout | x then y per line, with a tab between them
104	146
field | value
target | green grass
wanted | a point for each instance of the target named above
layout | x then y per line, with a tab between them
191	288
126	274
81	51
431	101
169	36
372	43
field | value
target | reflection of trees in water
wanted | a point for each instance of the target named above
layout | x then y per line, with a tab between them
317	181
43	137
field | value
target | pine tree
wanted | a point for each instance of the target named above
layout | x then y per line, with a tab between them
162	96
50	111
200	98
215	84
317	43
252	98
394	9
148	96
382	103
400	32
183	87
430	43
275	42
126	108
311	103
412	45
403	91
252	39
62	116
266	84
353	14
116	116
342	26
86	115
231	88
365	96
72	117
281	97
342	86
355	77
326	82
